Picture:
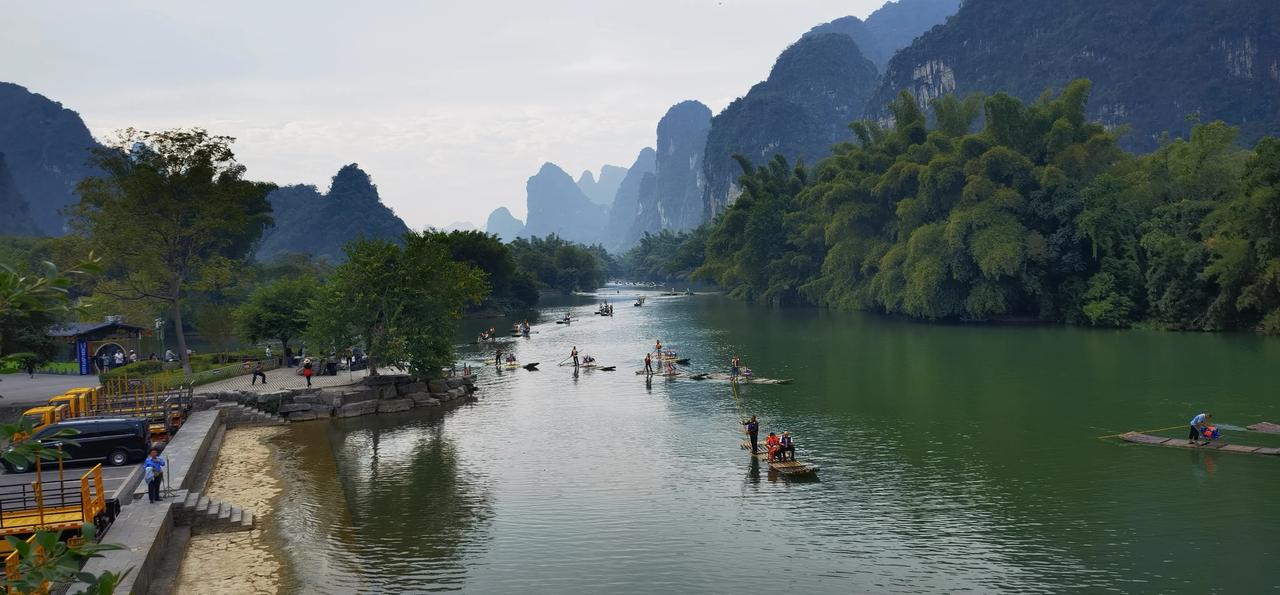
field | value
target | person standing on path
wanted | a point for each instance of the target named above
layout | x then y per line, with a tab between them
1197	426
258	373
306	370
153	474
753	431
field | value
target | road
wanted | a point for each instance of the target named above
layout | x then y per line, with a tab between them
19	389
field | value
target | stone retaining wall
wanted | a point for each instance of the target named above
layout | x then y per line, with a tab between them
388	393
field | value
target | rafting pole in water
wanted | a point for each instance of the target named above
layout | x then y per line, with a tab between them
1144	431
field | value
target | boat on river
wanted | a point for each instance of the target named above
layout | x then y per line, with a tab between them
1217	445
790	468
746	379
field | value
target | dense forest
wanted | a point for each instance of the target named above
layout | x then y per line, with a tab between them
1036	214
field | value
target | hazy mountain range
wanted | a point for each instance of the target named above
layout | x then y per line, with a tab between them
1156	66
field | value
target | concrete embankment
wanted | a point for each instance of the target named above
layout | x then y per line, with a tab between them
206	535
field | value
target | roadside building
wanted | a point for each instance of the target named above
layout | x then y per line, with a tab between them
94	345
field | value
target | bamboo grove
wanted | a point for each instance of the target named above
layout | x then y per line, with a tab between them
987	208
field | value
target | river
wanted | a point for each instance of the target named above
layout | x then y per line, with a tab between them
952	457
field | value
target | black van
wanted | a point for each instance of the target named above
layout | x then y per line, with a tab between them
116	440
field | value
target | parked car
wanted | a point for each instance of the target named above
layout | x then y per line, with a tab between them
115	440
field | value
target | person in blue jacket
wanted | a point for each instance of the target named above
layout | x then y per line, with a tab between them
153	474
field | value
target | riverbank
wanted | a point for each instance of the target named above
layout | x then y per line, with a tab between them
244	562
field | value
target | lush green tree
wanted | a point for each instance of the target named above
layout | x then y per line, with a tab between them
400	303
557	263
487	252
172	212
31	302
277	310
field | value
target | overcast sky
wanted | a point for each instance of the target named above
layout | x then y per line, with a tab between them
450	106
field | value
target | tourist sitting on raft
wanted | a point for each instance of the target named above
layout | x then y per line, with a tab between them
511	358
587	359
773	444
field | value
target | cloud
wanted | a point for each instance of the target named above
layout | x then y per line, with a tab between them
449	106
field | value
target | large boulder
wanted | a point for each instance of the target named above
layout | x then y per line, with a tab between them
307	415
424	399
410	388
438	386
358	408
394	405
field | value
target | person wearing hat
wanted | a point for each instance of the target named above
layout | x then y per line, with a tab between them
786	447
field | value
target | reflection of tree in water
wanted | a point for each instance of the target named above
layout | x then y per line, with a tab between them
416	512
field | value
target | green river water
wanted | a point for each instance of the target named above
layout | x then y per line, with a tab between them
953	457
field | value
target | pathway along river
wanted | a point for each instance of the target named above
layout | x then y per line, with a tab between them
953	457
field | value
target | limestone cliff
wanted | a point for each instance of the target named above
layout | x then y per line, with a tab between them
47	148
311	223
1152	62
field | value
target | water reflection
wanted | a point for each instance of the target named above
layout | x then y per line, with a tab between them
953	457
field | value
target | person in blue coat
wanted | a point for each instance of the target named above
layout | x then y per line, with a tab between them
153	474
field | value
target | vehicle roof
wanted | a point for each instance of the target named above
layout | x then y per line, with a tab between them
86	420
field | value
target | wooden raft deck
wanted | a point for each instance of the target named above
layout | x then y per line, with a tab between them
786	467
1137	438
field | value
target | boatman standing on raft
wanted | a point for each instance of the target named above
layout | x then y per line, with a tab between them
648	364
574	354
1197	426
753	431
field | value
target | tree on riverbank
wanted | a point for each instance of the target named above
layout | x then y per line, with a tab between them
277	310
400	303
1036	214
171	210
560	264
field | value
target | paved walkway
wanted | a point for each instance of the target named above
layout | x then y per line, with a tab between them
18	389
280	379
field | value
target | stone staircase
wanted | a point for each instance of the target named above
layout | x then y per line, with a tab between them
238	415
205	515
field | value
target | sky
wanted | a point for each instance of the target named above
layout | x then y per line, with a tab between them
449	106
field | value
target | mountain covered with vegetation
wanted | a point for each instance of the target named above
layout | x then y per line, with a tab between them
503	224
1039	214
556	205
47	149
636	189
891	27
816	88
17	216
307	222
1153	63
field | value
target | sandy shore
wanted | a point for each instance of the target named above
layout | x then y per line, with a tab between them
238	562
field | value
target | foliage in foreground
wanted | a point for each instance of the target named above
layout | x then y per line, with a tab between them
1037	214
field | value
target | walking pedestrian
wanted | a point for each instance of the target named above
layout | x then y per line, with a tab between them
306	370
153	474
258	373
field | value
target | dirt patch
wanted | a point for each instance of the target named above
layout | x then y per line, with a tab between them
244	562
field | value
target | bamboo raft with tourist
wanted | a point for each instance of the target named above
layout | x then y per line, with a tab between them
1202	435
778	451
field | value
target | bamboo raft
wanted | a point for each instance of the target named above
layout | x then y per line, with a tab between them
716	377
1266	427
792	468
1139	438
